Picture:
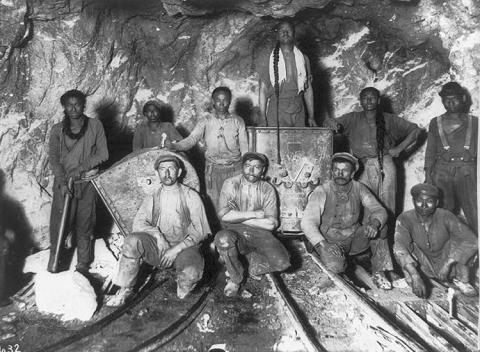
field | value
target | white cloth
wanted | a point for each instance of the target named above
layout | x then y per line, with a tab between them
282	70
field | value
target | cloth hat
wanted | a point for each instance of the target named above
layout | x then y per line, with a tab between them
425	188
256	156
167	157
451	88
348	157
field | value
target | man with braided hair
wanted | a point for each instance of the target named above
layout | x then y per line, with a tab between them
285	85
375	138
451	155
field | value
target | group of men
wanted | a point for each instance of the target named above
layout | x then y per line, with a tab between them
343	218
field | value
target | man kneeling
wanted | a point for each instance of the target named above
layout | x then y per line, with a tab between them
167	230
249	213
331	221
433	241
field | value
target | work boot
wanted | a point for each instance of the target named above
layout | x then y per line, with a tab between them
231	289
120	298
184	288
381	281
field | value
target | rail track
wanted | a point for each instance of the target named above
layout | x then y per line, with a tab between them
326	311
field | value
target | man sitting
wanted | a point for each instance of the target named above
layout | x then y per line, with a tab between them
434	242
249	213
331	221
167	230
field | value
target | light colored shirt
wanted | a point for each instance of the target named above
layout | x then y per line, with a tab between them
330	214
177	214
248	196
226	139
445	237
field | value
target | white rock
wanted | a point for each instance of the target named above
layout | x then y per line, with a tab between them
103	263
68	294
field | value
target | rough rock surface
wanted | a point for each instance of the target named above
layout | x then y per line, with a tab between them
123	53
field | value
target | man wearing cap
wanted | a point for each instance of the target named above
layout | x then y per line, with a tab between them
167	230
248	210
434	242
332	221
451	154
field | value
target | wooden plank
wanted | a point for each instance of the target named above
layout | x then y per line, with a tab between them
379	322
420	327
438	317
309	341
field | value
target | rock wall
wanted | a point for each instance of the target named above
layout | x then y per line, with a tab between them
123	53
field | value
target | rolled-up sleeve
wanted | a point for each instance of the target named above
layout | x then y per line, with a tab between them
312	216
270	206
194	137
226	194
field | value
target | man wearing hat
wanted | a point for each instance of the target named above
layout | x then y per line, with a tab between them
451	154
434	242
331	221
248	210
167	231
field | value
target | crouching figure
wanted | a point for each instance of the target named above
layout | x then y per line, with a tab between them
249	213
167	231
332	221
433	242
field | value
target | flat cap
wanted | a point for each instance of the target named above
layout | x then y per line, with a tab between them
451	88
167	157
346	156
425	188
255	156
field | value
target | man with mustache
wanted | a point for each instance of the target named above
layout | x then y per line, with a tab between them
433	242
331	220
167	231
249	213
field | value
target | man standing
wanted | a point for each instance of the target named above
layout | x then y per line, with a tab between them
285	85
331	221
451	154
434	242
77	147
167	230
225	137
375	138
249	212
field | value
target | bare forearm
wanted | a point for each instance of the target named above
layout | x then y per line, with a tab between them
409	140
238	216
265	223
309	102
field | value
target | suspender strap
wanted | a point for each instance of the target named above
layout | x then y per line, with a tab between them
441	132
468	135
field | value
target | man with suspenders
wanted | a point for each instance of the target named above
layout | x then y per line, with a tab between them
451	154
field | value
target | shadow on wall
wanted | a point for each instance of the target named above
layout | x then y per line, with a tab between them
14	221
119	144
245	109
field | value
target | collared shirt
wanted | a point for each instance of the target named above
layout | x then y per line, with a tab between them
362	135
248	196
455	139
87	152
177	213
445	237
226	139
331	213
146	138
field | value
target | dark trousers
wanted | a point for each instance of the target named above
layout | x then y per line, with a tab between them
264	252
458	183
81	222
141	246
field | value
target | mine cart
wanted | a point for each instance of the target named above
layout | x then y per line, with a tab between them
297	166
124	185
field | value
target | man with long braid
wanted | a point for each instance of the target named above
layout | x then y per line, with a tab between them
285	85
375	138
